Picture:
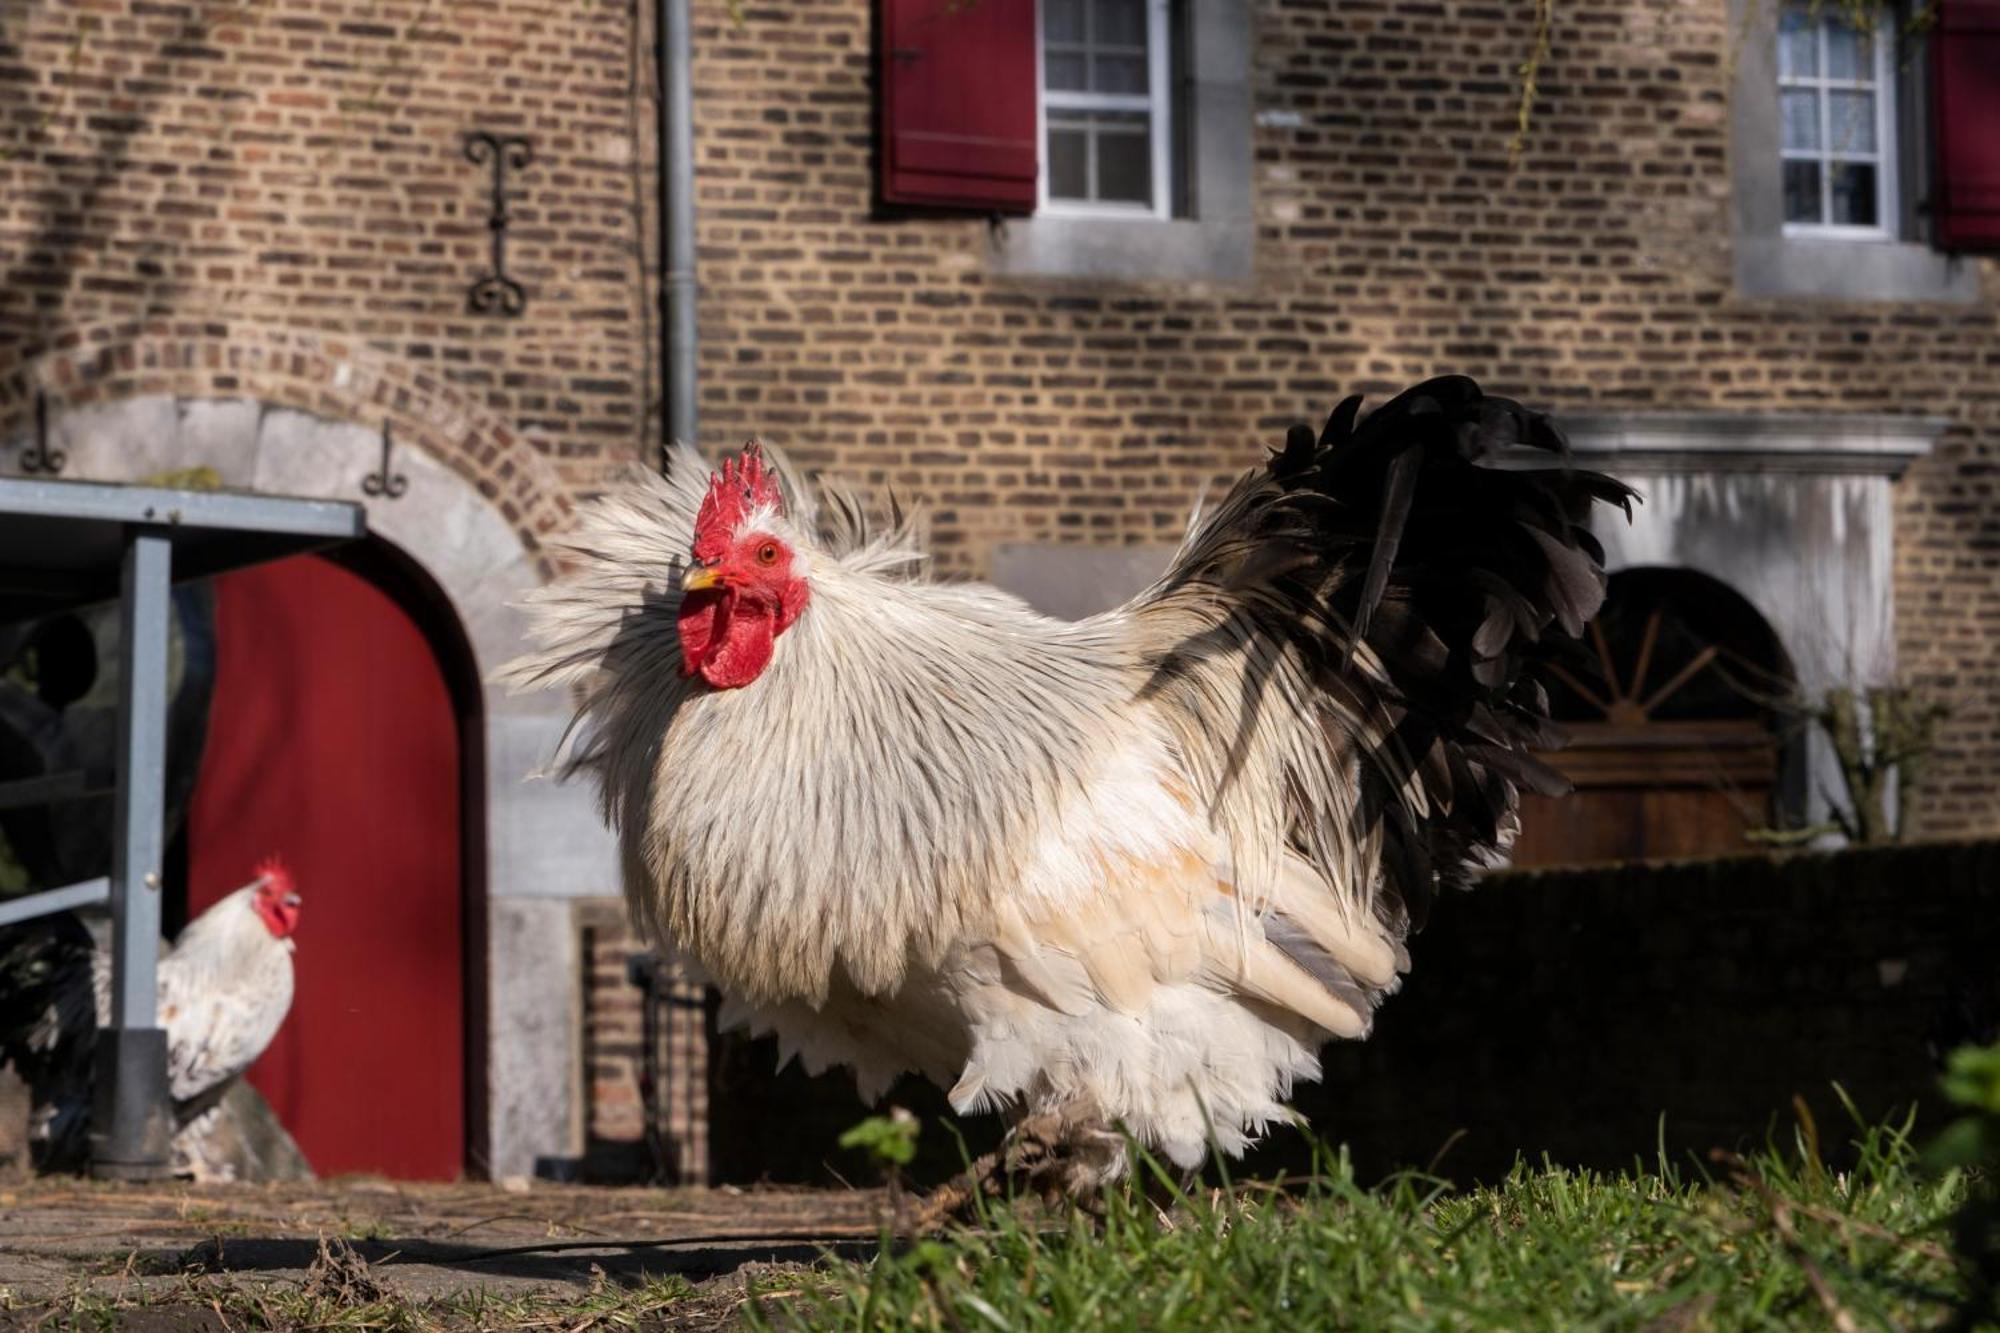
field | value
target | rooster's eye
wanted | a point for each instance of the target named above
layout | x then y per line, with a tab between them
767	554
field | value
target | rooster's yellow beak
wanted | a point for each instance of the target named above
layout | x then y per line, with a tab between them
698	577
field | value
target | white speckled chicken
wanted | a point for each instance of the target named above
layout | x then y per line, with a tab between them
226	985
224	990
1131	870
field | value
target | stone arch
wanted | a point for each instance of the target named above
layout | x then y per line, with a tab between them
222	362
1795	513
298	414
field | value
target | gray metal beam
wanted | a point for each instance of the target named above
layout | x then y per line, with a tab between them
233	510
50	901
131	1124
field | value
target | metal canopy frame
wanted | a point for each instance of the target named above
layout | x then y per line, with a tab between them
69	543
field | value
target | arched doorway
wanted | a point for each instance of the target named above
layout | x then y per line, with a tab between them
344	735
540	847
1675	746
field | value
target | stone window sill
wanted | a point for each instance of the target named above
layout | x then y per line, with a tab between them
1780	265
1132	249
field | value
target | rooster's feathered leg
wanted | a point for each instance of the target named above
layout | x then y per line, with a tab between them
1058	1156
1065	1155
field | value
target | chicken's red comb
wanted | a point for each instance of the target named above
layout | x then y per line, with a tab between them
743	484
276	875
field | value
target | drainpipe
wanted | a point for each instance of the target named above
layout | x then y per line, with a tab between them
674	52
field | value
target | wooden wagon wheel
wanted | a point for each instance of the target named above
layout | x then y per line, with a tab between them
1627	706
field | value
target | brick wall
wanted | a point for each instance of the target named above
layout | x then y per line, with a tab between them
627	1134
271	199
612	1019
295	167
1395	239
226	175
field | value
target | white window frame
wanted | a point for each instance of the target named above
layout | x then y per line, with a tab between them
1886	143
1156	101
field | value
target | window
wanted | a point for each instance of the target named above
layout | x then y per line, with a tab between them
1106	130
1106	138
1837	95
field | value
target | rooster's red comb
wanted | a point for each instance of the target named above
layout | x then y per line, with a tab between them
743	484
276	874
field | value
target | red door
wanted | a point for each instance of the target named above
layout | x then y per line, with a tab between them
332	742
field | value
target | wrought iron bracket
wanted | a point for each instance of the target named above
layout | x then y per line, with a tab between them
41	458
389	485
494	290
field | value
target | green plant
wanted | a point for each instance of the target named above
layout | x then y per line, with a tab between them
891	1143
1882	739
889	1140
1970	1148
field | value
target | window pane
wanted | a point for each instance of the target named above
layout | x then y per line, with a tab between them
1798	45
1801	118
1069	173
1120	74
1854	202
1853	123
1119	23
1062	20
1064	70
1849	52
1124	159
1802	192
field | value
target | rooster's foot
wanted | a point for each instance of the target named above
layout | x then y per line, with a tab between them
1057	1157
1062	1157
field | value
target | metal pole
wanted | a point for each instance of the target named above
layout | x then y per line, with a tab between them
132	1122
676	206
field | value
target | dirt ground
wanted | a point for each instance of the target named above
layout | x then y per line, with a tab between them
132	1254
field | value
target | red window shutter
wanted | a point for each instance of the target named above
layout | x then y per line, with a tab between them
958	104
1965	77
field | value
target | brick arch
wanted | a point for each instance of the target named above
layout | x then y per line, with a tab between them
334	378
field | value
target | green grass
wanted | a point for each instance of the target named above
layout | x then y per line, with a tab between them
1871	1234
1778	1241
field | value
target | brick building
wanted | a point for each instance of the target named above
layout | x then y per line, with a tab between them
244	237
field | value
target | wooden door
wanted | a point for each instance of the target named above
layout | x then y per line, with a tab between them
1672	747
333	742
1651	793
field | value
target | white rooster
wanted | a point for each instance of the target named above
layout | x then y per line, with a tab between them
1128	871
224	990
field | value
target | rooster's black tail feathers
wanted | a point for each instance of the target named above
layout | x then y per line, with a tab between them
1456	534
